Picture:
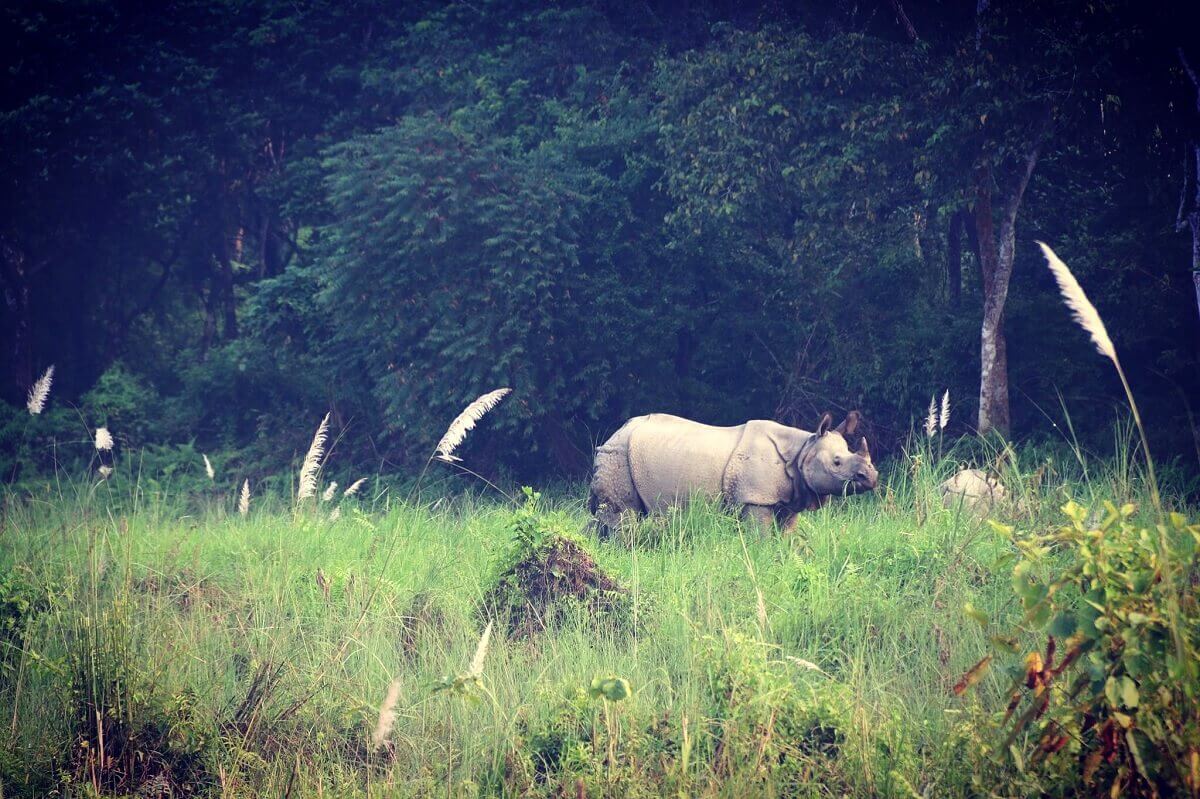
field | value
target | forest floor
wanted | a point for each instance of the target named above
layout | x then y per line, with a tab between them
154	647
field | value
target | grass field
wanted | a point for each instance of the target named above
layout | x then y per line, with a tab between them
159	646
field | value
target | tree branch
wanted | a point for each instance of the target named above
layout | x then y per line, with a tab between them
904	20
1012	203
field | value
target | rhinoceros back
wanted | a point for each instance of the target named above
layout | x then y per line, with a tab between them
671	458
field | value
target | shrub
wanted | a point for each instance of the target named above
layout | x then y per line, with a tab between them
1112	697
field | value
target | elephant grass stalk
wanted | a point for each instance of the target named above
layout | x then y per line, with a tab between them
1088	318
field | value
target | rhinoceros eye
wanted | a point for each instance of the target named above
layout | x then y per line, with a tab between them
837	461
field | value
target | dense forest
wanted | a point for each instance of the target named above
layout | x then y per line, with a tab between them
223	218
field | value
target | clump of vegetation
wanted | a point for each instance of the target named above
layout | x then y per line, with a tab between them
1113	699
547	573
1118	684
773	729
128	733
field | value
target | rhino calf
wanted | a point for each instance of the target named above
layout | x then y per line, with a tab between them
769	471
973	490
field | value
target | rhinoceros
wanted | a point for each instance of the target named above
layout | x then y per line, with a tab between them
769	471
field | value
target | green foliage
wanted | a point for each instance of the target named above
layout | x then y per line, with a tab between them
769	727
256	651
274	209
1113	703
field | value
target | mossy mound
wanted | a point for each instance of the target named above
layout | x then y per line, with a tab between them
548	574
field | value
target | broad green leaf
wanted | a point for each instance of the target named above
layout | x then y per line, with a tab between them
1129	693
1063	626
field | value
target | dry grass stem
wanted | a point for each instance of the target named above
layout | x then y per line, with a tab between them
465	422
39	391
312	462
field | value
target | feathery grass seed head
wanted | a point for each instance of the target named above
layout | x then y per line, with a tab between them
104	439
353	489
329	491
312	462
475	670
208	468
1082	310
39	391
931	418
244	499
465	422
944	418
387	715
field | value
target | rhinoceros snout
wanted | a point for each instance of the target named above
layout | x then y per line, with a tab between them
866	479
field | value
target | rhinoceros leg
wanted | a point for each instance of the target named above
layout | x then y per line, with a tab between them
786	520
761	517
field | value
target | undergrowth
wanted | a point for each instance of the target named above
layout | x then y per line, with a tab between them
154	646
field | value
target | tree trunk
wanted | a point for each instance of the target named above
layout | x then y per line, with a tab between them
993	365
15	277
1189	199
954	258
227	299
997	252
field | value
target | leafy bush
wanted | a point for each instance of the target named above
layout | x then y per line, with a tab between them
1113	699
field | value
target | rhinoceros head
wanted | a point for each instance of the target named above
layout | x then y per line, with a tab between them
830	467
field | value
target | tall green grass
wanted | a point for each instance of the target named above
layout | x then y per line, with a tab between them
203	646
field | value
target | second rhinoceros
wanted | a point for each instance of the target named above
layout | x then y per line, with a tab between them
768	471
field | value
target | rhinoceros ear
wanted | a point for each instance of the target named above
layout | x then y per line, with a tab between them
824	425
862	449
849	424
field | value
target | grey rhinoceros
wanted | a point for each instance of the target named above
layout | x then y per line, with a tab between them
767	470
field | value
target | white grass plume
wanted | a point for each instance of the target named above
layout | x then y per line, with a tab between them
330	490
312	462
1086	315
353	489
944	417
806	664
39	391
475	670
931	418
104	439
208	468
1082	310
244	499
337	514
387	715
465	422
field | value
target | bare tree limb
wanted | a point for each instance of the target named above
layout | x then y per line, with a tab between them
904	20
